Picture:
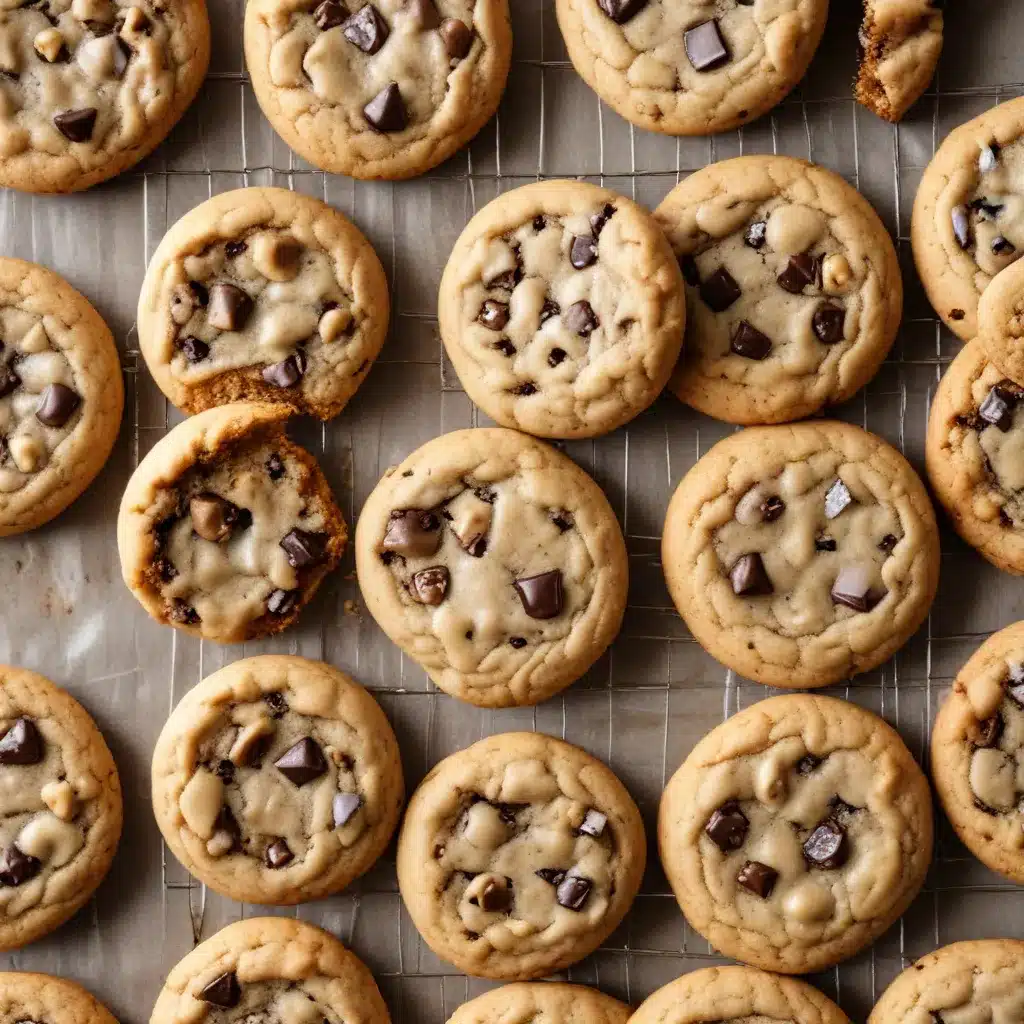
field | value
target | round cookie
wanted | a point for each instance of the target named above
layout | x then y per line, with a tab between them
61	804
543	1002
967	981
796	832
687	67
793	287
737	994
263	294
801	555
1001	319
968	222
43	997
387	89
61	394
90	87
562	310
496	563
277	780
519	855
972	454
271	968
227	527
978	753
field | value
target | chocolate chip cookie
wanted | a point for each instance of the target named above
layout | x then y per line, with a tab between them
270	968
263	294
972	454
61	394
1001	321
227	527
62	812
518	856
277	780
900	42
43	997
90	87
793	288
385	89
796	832
801	555
562	309
968	222
496	563
542	1003
967	981
687	67
737	994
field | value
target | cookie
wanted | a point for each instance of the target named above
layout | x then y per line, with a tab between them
801	555
61	807
967	981
562	310
971	456
387	89
900	46
43	997
737	994
793	288
518	856
227	528
270	968
90	87
796	832
1001	320
263	294
496	563
542	1003
968	222
61	394
687	67
978	753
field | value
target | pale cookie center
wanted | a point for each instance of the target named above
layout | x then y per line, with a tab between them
998	420
996	773
229	1000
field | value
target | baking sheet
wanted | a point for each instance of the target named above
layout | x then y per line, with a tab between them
64	611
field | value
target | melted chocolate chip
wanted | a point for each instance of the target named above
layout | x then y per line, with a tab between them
541	595
21	744
413	533
517	642
620	11
758	878
556	357
583	251
689	269
496	898
386	111
772	508
287	373
304	549
525	389
457	37
749	342
727	827
76	125
824	543
828	324
194	350
278	854
720	291
493	314
215	518
329	15
581	319
57	405
302	762
550	875
429	586
888	543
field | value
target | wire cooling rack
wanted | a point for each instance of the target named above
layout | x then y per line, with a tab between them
66	613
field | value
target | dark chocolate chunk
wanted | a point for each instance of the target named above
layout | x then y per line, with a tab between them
517	642
386	111
556	356
583	251
496	898
225	771
282	602
541	595
827	846
581	318
807	764
550	875
705	46
837	499
302	762
525	389
1002	246
275	467
286	373
852	588
21	744
493	314
329	15
594	823
9	379
690	270
506	280
829	323
278	854
548	310
194	349
727	827
563	520
233	249
749	342
429	586
457	37
997	408
758	878
720	291
57	405
366	29
214	518
413	533
304	548
16	867
749	577
801	271
344	807
572	892
888	543
229	307
223	991
275	700
505	347
824	543
771	508
425	14
962	226
598	220
200	292
620	11
76	125
757	234
539	223
988	732
986	207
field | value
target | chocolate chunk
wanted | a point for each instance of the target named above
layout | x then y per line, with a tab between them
807	764
344	807
304	548
757	234
225	771
988	159
801	271
386	111
689	269
705	46
9	380
572	892
727	827
505	347
581	318
517	642
496	898
201	293
990	210
429	586
329	15
233	249
525	389
758	878
749	342
278	854
413	533
213	518
1002	246
583	251
962	226
21	744
852	588
425	14
827	846
556	356
275	467
275	700
223	991
837	499
550	875
824	543
548	310
541	595
620	11
539	223
366	29
594	823
771	508
282	602
749	577
888	543
302	762
457	37
720	291
195	351
286	373
997	408
493	314
229	307
988	732
57	405
76	125
829	323
16	867
506	280
598	220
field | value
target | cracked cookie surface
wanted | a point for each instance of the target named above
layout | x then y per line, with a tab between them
263	294
90	87
562	309
691	67
61	395
801	555
277	780
227	527
981	980
978	753
274	970
542	1003
519	855
496	563
796	832
60	807
387	89
43	998
793	288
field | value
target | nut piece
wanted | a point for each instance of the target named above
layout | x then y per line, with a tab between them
48	44
221	843
27	453
50	840
35	341
200	802
135	24
275	256
836	274
60	798
101	11
333	324
248	741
